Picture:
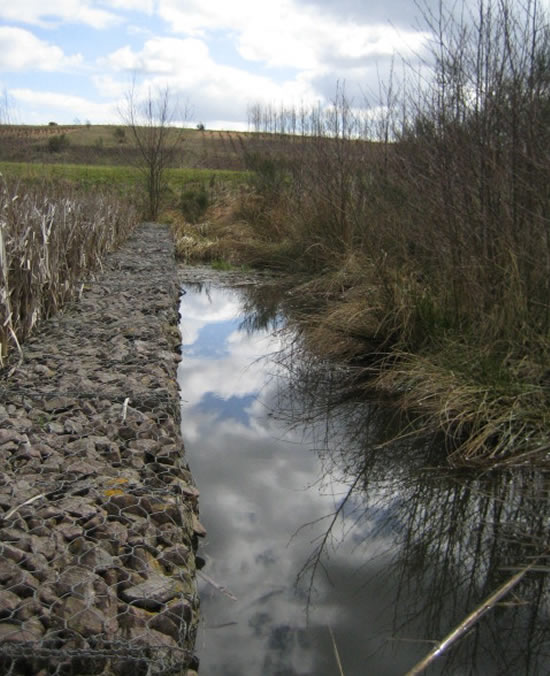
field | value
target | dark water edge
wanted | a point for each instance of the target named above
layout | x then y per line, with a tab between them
332	537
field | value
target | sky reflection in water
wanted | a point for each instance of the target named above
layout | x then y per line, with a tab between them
408	559
259	485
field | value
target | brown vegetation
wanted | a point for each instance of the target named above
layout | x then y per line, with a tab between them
101	145
424	234
51	235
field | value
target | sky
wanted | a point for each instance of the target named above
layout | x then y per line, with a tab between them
75	60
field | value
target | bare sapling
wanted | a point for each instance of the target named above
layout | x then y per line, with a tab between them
151	120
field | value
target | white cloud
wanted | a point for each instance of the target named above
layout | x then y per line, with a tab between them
74	106
145	6
21	50
187	68
160	55
284	33
55	12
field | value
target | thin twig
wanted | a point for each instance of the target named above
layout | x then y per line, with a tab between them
469	621
27	502
125	409
217	586
336	653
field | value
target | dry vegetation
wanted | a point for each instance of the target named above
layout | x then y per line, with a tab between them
112	145
423	237
51	235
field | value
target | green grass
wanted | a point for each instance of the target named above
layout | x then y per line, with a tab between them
97	175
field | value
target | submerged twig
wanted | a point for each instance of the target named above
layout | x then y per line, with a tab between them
336	653
217	586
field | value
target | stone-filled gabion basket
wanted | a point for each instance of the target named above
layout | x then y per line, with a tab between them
98	509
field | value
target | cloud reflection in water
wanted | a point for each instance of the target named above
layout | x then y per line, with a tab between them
259	486
413	552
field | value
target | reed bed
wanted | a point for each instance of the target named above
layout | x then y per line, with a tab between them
51	235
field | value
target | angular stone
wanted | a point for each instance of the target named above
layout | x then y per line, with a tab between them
77	614
42	545
47	594
33	626
16	537
17	633
7	435
107	448
28	608
114	533
149	637
177	555
70	531
190	492
97	559
55	428
152	593
198	528
8	602
79	507
84	468
76	581
17	580
59	404
174	620
11	553
163	513
144	445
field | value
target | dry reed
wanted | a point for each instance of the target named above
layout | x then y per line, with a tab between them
51	235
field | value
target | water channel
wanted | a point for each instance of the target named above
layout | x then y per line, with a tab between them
331	549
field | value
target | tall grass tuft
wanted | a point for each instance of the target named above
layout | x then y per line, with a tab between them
51	235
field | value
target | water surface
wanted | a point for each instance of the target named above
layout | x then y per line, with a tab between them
323	538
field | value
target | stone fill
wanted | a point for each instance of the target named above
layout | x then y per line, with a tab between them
98	510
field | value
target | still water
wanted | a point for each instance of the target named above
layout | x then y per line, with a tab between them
330	549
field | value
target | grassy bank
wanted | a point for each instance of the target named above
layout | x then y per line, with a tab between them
422	238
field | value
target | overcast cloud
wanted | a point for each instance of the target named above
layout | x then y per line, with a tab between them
68	59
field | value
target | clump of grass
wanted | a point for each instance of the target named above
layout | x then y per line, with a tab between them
50	236
489	412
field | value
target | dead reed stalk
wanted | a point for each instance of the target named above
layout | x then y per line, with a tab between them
50	237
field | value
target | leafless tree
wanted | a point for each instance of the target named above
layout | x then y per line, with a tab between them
158	141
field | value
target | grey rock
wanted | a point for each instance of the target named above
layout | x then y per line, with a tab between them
58	404
17	633
97	559
152	593
76	614
8	602
43	545
177	555
82	508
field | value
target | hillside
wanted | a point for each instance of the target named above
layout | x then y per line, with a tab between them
111	145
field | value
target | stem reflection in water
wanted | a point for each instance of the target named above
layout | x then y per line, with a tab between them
386	551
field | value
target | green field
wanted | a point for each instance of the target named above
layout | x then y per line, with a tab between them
111	176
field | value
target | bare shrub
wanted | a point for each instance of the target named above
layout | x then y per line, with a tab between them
150	121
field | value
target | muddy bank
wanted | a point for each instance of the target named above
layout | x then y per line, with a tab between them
98	510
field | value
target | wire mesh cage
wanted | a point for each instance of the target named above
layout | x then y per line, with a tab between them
97	567
98	509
